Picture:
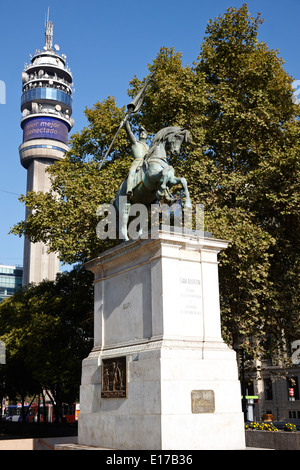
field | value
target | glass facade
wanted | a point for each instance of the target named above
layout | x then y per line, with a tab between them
10	280
46	94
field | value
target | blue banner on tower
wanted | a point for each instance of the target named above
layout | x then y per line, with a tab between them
45	128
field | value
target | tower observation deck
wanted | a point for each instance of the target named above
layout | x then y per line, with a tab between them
46	106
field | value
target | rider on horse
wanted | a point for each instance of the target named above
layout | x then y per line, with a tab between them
139	149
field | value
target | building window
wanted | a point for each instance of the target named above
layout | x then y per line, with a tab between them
10	280
46	94
268	389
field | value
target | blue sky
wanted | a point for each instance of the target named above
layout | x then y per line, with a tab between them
106	44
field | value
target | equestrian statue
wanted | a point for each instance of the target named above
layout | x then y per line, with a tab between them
150	176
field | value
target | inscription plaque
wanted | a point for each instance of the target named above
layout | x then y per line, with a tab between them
114	378
190	296
203	401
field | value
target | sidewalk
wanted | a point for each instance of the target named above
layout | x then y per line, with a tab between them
43	443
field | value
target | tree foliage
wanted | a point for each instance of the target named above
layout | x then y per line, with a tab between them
47	330
243	165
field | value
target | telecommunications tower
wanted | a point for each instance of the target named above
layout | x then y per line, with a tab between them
46	107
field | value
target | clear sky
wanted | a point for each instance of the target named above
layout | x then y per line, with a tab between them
107	43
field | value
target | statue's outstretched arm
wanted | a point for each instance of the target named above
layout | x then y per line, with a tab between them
130	134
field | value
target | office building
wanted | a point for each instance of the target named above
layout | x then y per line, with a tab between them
10	280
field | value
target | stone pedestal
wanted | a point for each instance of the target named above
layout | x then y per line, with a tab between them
159	375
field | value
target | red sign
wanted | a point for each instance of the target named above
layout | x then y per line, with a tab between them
291	392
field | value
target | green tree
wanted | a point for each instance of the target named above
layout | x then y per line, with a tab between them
243	165
251	135
47	330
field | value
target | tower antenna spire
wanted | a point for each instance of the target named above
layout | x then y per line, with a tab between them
49	32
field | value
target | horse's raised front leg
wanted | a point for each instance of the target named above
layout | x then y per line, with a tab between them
173	181
160	193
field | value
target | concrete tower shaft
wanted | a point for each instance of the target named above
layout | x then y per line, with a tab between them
46	107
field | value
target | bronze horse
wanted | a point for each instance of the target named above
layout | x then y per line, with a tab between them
154	177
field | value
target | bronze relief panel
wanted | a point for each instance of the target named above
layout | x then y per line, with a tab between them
114	378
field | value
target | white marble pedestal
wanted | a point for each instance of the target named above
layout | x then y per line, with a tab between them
157	315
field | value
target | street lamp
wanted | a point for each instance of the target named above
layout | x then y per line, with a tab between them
244	399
